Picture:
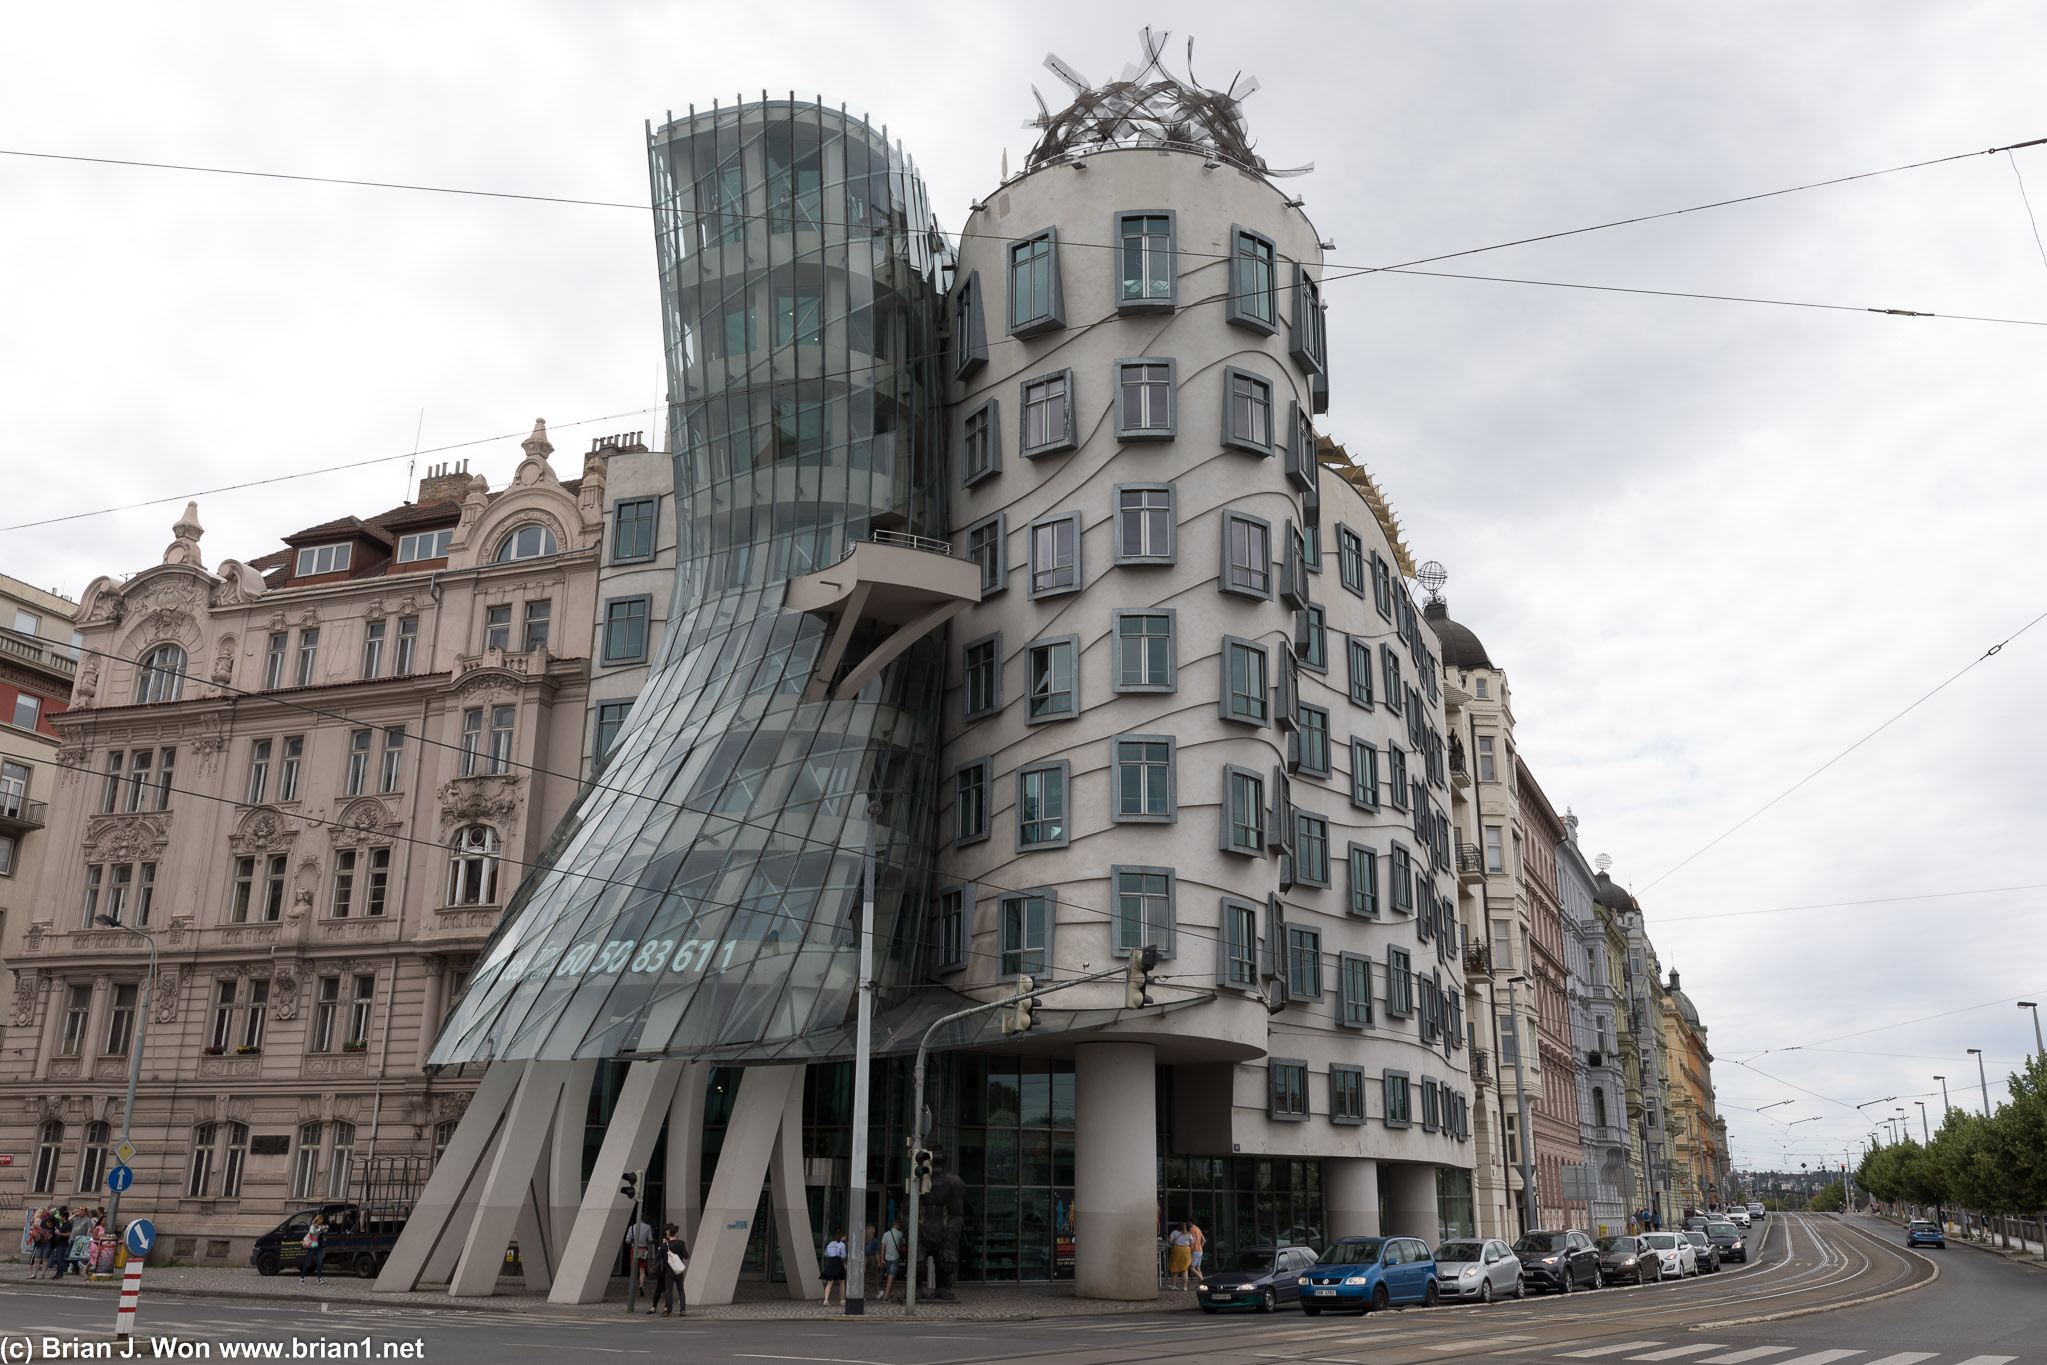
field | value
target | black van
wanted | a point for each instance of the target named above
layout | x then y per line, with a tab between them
351	1244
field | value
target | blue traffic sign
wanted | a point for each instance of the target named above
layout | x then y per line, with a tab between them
120	1178
141	1236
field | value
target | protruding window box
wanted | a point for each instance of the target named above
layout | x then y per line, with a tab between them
911	583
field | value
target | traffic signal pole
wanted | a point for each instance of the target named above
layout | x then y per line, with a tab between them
634	1187
1020	1003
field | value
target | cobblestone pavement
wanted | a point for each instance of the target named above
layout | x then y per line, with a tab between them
755	1300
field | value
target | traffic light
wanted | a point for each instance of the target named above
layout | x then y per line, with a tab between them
920	1169
1136	986
1019	1017
629	1185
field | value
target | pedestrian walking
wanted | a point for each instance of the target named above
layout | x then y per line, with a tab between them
1179	1254
671	1259
891	1258
314	1244
39	1244
640	1241
1200	1243
873	1257
834	1272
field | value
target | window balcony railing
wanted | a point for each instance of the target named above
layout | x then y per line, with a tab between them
41	653
18	816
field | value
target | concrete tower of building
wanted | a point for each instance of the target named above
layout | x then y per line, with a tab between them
1595	1025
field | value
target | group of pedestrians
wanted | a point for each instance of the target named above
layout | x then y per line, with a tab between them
1185	1243
60	1240
662	1259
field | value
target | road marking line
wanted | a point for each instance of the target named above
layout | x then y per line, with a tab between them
1608	1350
1759	1352
1913	1358
1470	1342
827	1360
1678	1352
1824	1357
1986	1360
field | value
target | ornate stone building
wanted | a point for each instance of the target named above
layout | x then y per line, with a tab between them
311	778
37	666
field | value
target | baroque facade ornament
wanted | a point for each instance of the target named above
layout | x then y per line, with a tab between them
364	822
170	986
141	837
486	799
263	830
26	982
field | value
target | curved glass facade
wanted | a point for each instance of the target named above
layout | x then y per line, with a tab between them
703	899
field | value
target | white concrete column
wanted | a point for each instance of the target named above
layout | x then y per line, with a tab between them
1350	1194
1410	1200
509	1188
686	1149
791	1199
1115	1175
767	1096
564	1170
437	1219
585	1267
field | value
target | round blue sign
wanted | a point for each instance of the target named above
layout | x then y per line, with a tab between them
120	1178
141	1236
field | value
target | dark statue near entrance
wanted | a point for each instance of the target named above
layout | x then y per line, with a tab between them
941	1219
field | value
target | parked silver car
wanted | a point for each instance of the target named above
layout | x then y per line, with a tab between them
1467	1268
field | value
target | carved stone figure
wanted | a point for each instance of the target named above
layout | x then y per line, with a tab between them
88	685
284	993
224	661
25	997
170	985
941	1218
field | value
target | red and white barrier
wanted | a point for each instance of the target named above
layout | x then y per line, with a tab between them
131	1291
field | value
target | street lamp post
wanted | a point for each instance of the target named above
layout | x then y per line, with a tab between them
1944	1105
1521	1084
856	1184
135	1051
1982	1079
1925	1132
2038	1046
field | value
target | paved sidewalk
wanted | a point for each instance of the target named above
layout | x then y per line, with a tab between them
755	1300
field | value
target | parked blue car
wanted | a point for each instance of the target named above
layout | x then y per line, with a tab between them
1364	1274
1925	1234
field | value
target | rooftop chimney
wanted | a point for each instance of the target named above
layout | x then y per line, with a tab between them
445	482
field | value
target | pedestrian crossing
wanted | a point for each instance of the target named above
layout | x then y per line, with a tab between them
1722	1353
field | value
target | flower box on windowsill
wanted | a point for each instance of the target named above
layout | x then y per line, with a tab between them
248	1051
215	1051
355	1047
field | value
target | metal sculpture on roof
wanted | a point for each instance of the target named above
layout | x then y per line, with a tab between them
1149	107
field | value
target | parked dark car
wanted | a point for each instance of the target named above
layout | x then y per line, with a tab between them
352	1243
1925	1234
1708	1254
1254	1277
1623	1260
1559	1259
1729	1241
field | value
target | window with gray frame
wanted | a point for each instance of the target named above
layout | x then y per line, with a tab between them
1397	1111
1403	879
1055	555
1359	655
951	928
1247	411
1247	556
1047	415
1144	912
1144	779
1287	1079
1293	567
1303	963
1399	982
1035	304
1364	881
981	677
1147	280
1243	812
1389	668
1303	467
1306	341
1432	1105
1350	560
1364	775
1053	670
632	529
625	629
1041	806
1254	280
1354	991
986	547
1144	523
1346	1094
1396	776
1025	923
969	328
1382	585
1237	946
1311	637
1312	742
1245	682
1311	849
980	443
1145	651
970	801
1144	400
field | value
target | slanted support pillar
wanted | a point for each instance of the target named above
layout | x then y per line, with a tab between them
563	1186
437	1223
686	1149
508	1190
1115	1178
636	1121
763	1135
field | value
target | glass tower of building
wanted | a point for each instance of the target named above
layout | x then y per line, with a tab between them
702	898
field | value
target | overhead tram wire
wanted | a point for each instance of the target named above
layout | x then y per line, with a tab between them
723	215
1952	678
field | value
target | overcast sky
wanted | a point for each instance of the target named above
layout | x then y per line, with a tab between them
1713	544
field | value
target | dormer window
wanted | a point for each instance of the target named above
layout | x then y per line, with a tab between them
532	541
319	559
425	545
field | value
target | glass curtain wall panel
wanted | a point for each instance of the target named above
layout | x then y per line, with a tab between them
703	901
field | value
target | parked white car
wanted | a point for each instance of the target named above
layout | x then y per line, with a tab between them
1674	1253
1468	1268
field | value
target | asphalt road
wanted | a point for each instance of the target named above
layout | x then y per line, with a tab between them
1881	1305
